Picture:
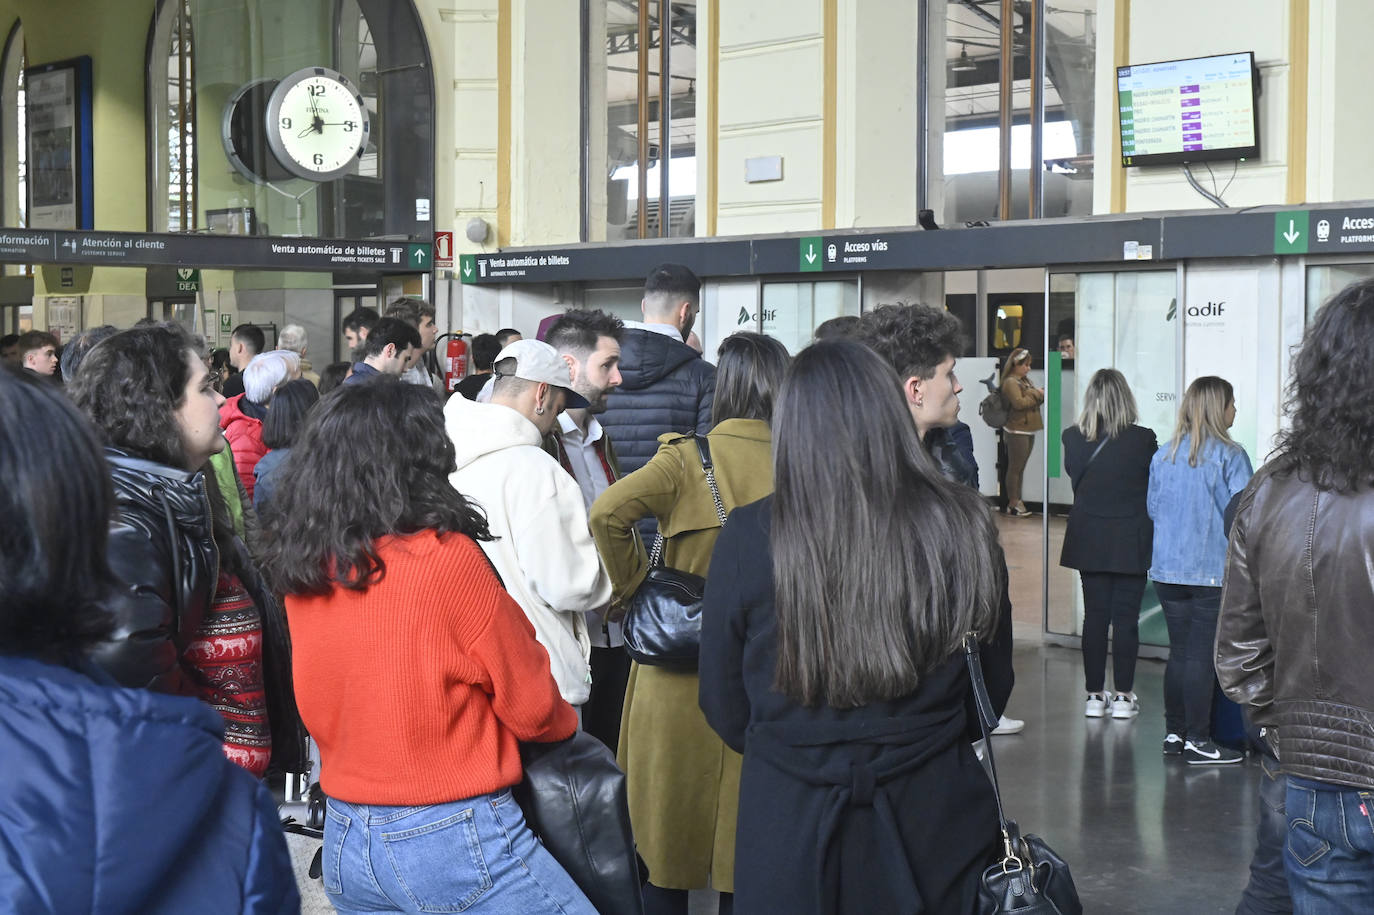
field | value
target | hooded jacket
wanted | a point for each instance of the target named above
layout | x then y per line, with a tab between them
665	387
121	800
244	433
162	549
542	551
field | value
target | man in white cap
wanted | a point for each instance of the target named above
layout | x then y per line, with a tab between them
542	550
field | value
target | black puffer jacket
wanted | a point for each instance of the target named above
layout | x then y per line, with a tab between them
162	548
1295	626
666	387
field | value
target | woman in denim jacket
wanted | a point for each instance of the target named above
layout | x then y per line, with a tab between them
1192	479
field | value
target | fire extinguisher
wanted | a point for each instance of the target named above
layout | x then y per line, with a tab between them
455	361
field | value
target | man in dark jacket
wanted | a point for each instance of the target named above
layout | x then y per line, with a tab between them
666	386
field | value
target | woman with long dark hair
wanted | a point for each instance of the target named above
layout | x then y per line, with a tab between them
1109	535
115	799
683	781
418	674
1295	628
832	656
1193	477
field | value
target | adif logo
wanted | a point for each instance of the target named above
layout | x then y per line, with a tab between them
743	315
830	253
1323	230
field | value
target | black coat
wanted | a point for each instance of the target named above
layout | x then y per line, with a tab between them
1109	528
162	550
666	387
882	808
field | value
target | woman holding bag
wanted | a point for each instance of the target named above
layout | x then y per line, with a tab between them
1109	535
832	656
1019	432
683	781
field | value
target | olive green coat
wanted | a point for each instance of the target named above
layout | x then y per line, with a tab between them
683	781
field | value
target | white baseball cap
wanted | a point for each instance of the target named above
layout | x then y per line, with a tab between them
535	360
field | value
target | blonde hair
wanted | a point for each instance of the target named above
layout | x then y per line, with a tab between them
1108	406
1014	360
1203	416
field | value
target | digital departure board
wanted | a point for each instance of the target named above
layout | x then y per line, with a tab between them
1195	110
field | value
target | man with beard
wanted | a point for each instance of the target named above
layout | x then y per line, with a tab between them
589	342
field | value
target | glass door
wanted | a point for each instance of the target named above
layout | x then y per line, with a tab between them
1127	320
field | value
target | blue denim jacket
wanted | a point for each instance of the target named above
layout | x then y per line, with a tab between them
1186	504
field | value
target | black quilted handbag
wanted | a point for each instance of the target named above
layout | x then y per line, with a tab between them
573	797
662	628
1029	878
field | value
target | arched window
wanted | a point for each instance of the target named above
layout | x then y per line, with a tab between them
172	119
14	189
211	71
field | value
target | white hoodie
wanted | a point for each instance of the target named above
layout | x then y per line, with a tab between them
543	550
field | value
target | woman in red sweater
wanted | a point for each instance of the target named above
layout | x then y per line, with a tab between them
416	673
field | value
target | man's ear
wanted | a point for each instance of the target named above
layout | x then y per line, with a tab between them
684	312
574	369
389	351
913	389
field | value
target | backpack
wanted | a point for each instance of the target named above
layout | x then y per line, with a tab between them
995	409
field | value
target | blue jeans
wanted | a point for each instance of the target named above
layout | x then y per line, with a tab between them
1330	851
1267	891
1190	612
475	855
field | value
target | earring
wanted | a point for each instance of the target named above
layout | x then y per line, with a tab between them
539	411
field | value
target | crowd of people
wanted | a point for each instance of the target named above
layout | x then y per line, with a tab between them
237	558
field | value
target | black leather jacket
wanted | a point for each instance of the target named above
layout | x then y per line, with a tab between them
162	550
1296	623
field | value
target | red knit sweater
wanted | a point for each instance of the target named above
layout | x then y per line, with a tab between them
418	689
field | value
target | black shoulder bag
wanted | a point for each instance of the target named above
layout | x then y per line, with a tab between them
1075	480
662	628
1030	878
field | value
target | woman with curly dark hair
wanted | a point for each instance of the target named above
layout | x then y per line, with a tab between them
418	674
192	615
121	783
1295	626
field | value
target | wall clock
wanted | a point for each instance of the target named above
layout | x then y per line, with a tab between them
317	124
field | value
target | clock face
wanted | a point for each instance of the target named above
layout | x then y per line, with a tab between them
317	125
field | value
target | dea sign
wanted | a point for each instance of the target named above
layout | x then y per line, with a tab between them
188	280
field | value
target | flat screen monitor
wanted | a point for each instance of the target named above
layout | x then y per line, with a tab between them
1195	110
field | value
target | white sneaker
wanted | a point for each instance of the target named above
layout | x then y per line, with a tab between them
1124	706
1096	706
1007	725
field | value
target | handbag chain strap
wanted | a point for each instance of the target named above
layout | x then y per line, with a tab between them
708	468
987	718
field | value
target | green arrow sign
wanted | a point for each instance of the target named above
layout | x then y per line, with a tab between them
1290	232
467	268
812	254
418	257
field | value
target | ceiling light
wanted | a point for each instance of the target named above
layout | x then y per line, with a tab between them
964	63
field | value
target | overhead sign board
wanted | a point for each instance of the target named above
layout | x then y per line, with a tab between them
136	249
634	261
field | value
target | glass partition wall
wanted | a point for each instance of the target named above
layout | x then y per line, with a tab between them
1127	320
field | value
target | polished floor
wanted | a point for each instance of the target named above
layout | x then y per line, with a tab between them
1141	834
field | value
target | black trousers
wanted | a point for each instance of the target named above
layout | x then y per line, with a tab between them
601	713
1111	599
